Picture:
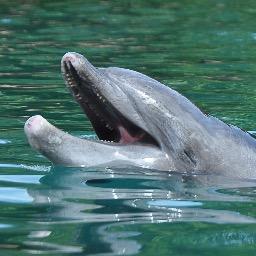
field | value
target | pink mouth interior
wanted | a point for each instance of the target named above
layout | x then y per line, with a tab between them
126	137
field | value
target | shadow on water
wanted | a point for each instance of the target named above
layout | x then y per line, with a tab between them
111	211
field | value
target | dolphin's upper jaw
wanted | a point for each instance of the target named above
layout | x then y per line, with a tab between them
109	123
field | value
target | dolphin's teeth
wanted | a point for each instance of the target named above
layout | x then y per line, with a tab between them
70	80
73	84
99	96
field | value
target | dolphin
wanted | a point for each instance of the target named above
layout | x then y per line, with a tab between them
144	123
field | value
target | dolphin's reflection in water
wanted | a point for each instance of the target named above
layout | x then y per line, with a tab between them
95	202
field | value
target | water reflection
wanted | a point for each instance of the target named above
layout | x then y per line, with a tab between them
86	201
111	211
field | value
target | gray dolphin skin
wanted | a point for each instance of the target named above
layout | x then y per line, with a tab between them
144	123
64	149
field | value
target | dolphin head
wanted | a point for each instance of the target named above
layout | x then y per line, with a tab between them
121	141
141	122
127	107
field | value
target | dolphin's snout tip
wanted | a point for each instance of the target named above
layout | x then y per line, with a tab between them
34	128
69	56
33	119
33	124
72	57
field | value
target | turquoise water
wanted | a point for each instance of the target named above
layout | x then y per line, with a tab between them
204	49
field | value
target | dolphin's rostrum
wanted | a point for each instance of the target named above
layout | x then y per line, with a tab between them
141	122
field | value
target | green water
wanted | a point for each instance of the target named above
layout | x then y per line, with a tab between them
204	49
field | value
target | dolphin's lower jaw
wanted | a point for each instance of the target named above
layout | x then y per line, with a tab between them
85	83
64	149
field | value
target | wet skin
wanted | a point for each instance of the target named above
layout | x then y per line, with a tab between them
146	123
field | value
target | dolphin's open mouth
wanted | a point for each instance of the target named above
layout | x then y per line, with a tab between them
108	122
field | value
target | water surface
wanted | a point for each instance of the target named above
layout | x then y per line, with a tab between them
204	49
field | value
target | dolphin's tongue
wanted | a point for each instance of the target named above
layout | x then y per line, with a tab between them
126	137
